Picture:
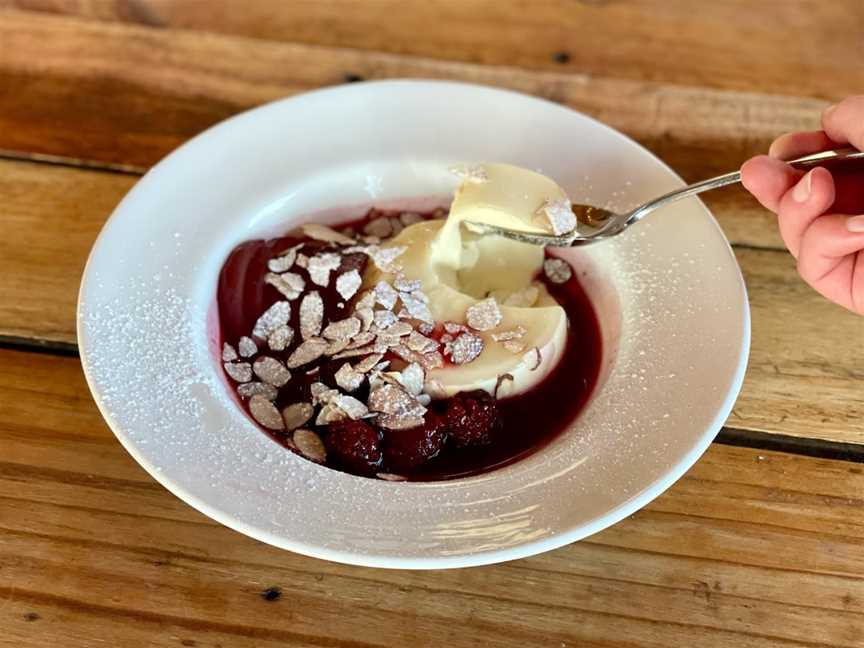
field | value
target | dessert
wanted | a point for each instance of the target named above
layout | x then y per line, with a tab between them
402	346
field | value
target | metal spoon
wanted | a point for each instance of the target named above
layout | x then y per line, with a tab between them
600	224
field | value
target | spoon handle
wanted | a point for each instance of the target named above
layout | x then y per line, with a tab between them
806	162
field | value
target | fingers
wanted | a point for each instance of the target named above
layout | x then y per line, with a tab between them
802	205
768	179
792	145
844	122
831	260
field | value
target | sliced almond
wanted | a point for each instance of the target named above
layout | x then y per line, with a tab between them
321	232
311	315
239	371
348	283
343	329
296	415
310	445
271	371
247	390
229	353
247	347
265	413
280	338
348	378
277	315
558	271
309	350
483	315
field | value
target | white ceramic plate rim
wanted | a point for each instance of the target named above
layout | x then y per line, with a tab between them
561	538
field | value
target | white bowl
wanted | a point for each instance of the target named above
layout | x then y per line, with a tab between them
669	293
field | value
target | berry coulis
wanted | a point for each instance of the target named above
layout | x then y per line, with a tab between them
525	423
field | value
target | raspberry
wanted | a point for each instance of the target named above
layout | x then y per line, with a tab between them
354	446
472	418
405	449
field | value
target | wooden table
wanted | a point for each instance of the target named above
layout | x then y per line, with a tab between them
761	544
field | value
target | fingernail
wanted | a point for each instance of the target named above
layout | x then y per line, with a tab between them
829	110
801	192
855	224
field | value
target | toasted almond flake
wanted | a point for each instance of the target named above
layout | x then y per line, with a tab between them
483	315
558	271
533	358
310	445
351	406
420	343
390	399
297	415
415	304
311	315
406	354
425	328
247	390
432	360
284	262
379	227
271	371
465	348
361	351
560	215
391	477
366	364
400	329
447	338
500	382
361	340
514	346
265	413
302	261
366	316
321	265
321	393
385	295
349	379
321	232
239	371
330	414
247	347
388	339
384	319
384	258
343	329
348	283
475	174
277	315
229	353
397	422
523	298
454	328
412	378
309	350
336	346
410	218
289	284
280	338
403	284
366	300
512	334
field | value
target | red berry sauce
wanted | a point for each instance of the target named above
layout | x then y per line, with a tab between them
468	434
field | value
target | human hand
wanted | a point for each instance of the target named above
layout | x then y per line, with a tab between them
820	213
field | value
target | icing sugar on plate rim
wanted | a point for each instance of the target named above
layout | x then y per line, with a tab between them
669	295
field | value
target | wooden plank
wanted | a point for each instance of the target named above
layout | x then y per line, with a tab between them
51	215
805	47
136	93
91	549
802	380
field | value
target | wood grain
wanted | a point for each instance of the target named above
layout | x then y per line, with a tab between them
804	47
92	549
803	380
136	93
